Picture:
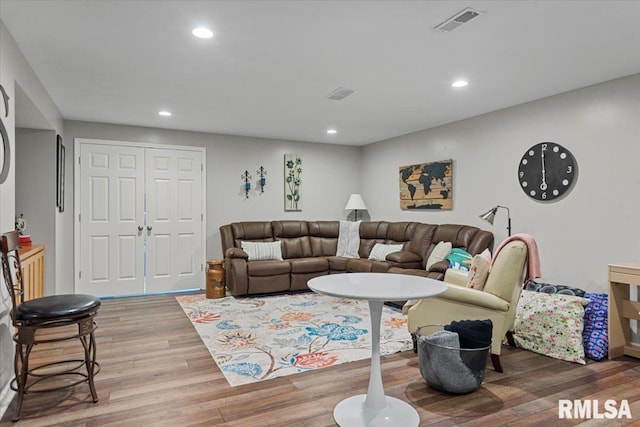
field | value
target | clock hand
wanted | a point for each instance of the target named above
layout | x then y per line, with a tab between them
543	186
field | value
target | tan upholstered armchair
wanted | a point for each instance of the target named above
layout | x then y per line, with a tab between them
498	300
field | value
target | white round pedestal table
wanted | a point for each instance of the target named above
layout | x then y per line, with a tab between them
374	408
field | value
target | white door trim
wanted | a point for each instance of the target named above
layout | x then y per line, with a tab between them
76	192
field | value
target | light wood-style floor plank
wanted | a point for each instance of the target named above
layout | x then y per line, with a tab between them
155	371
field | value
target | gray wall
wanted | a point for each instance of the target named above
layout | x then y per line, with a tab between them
330	173
15	71
594	225
36	193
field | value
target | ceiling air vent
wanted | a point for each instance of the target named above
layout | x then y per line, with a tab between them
339	94
458	19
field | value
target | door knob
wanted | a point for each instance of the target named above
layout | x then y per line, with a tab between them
149	228
140	228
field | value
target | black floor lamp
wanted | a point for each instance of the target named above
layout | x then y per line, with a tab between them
490	215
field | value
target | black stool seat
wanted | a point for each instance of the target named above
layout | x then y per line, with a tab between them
57	307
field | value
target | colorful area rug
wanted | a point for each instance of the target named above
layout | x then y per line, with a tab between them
255	339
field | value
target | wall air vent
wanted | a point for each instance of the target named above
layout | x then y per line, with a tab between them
339	94
458	19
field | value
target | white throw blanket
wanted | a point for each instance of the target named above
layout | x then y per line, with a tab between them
349	239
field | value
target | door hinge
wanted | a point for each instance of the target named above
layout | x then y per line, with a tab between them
201	217
201	267
79	217
80	274
201	167
78	160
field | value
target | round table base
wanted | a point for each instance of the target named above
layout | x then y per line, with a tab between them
352	413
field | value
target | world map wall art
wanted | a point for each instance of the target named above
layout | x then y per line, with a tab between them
427	186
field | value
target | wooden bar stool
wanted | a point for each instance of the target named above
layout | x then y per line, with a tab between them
34	323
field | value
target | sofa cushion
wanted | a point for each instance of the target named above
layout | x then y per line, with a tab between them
380	251
400	232
295	238
252	230
296	247
309	265
370	234
337	263
421	241
323	236
268	268
359	265
259	251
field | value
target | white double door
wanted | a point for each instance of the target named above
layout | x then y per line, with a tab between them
140	220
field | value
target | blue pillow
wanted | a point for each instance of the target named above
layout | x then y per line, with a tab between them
595	335
457	258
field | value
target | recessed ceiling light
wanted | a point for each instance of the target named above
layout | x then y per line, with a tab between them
460	83
332	131
202	33
165	113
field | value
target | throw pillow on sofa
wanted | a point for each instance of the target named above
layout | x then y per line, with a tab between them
479	270
260	251
380	251
439	253
459	259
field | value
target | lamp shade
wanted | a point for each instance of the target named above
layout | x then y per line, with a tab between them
489	215
355	202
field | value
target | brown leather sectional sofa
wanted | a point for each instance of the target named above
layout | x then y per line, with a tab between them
309	250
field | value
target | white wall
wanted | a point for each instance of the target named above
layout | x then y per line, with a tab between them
14	70
36	193
594	225
330	173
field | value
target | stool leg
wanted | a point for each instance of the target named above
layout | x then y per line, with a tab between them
89	345
92	344
21	369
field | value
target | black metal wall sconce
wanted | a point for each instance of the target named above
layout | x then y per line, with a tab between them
262	173
246	178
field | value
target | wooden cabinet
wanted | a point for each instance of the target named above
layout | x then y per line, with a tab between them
32	262
622	309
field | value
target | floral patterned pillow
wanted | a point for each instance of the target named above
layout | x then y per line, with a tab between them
551	324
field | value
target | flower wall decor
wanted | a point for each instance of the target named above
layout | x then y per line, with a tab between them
292	182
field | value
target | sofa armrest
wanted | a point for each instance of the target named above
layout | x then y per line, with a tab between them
456	277
404	260
474	297
402	257
440	266
236	253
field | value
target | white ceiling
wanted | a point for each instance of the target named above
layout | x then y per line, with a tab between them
270	64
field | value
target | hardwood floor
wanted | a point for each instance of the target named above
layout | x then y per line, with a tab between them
155	371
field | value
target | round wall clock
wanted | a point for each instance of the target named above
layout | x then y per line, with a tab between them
546	171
